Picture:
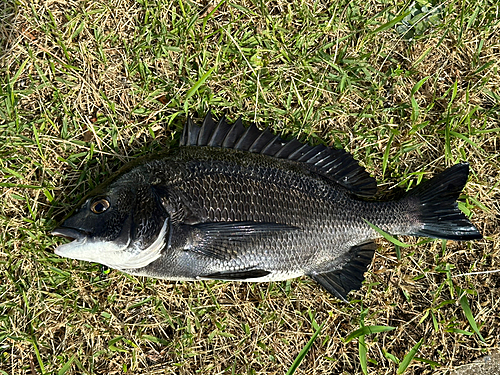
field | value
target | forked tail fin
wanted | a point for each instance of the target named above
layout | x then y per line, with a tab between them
438	209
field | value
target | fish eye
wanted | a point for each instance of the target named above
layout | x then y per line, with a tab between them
99	206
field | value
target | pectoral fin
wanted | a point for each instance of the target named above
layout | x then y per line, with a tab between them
228	240
341	281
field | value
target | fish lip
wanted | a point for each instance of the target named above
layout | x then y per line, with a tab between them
69	233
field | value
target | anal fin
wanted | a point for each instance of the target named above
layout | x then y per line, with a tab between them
342	279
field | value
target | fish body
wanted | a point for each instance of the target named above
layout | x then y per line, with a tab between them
236	203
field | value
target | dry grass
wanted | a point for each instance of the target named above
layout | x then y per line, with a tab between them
87	85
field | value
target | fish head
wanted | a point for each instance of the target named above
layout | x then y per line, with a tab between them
122	225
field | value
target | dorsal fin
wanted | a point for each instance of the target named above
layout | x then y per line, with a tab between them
335	164
220	133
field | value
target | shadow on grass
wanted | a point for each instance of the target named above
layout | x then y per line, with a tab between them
8	11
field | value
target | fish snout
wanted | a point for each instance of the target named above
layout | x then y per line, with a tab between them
69	233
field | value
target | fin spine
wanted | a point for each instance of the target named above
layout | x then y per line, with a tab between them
335	164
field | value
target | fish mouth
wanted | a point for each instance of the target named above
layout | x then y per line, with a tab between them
78	238
69	233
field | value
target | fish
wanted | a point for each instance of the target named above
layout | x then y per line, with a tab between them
237	203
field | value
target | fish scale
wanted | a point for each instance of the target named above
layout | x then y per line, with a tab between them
236	203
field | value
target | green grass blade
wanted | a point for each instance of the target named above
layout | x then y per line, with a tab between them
385	159
313	321
155	339
362	354
390	356
387	236
479	204
38	356
464	302
198	84
66	366
428	361
303	352
18	73
397	248
209	15
391	23
423	56
37	139
464	138
408	357
414	104
418	85
366	330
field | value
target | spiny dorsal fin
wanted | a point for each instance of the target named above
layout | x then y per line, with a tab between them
334	164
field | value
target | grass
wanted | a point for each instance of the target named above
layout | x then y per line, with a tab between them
86	86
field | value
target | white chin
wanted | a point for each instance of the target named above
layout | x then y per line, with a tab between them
105	253
121	257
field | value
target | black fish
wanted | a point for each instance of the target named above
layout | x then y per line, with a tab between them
236	203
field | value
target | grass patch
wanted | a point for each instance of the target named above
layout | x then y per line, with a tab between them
87	86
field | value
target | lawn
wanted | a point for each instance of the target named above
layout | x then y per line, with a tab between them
408	88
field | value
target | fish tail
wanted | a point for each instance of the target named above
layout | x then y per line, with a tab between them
437	207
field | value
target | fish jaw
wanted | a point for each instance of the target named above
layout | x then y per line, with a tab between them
111	254
87	249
